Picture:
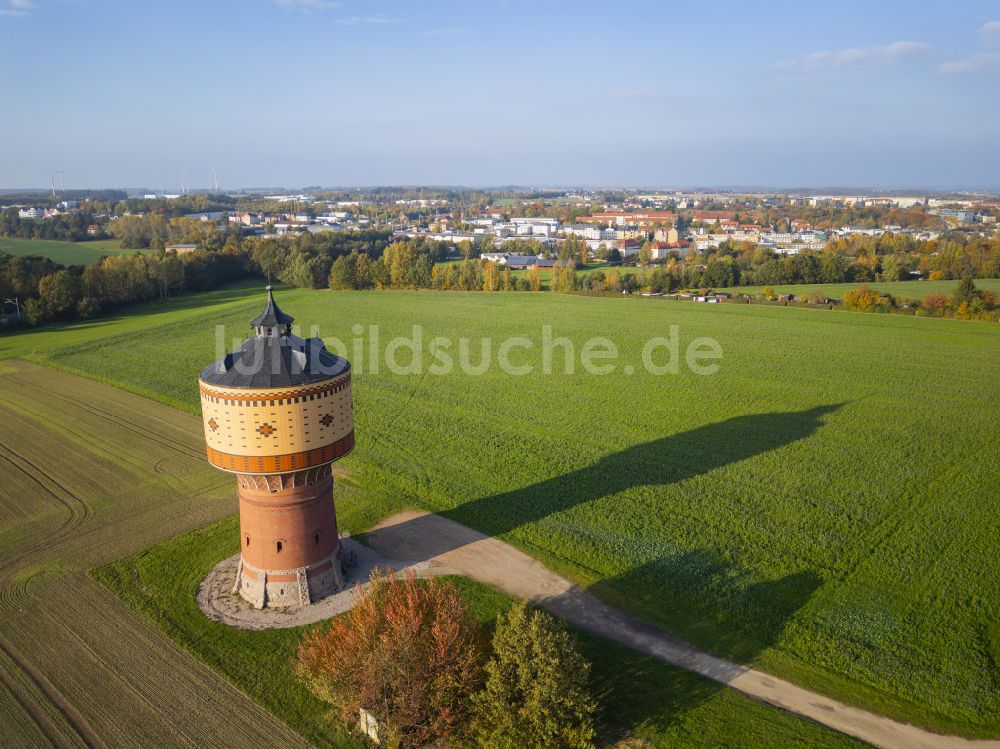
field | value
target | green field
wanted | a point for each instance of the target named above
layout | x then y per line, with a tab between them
824	506
66	253
899	289
91	474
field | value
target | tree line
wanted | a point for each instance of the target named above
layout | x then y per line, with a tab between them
858	258
373	259
65	227
49	291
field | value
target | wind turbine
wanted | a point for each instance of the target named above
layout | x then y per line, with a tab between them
62	180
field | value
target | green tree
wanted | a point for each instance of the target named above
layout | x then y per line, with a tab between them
966	292
470	276
645	253
491	276
363	272
893	268
536	692
305	271
59	293
833	267
34	311
564	278
343	273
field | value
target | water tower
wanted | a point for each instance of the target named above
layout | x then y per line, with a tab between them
278	413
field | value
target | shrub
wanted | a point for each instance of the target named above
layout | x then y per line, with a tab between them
408	652
863	299
935	303
536	692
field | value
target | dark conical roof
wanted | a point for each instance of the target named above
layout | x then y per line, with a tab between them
274	362
276	358
272	315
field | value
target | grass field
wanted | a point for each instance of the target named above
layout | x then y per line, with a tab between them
94	473
824	506
89	473
66	253
638	697
900	289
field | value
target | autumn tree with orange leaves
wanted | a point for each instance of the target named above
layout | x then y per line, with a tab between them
409	653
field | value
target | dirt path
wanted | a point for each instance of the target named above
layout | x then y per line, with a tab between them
424	536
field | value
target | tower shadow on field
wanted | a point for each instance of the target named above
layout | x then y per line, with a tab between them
662	462
720	607
712	601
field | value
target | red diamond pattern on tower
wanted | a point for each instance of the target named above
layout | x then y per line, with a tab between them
213	424
326	419
266	429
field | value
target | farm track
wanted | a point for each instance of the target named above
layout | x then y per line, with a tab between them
77	668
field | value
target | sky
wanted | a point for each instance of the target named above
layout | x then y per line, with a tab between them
294	93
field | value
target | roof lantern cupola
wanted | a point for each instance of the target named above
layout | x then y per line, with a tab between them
272	321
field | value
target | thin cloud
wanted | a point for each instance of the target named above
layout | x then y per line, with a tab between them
307	6
17	8
980	62
991	31
378	19
888	54
447	32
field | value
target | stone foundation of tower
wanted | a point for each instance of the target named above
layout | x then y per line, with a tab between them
289	546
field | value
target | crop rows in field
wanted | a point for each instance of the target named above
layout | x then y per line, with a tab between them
88	473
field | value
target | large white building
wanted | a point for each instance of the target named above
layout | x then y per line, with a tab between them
545	227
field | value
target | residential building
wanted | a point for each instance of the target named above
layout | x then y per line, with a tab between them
666	234
642	219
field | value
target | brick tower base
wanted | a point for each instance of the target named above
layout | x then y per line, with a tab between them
289	548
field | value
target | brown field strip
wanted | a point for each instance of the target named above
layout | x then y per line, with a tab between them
88	474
